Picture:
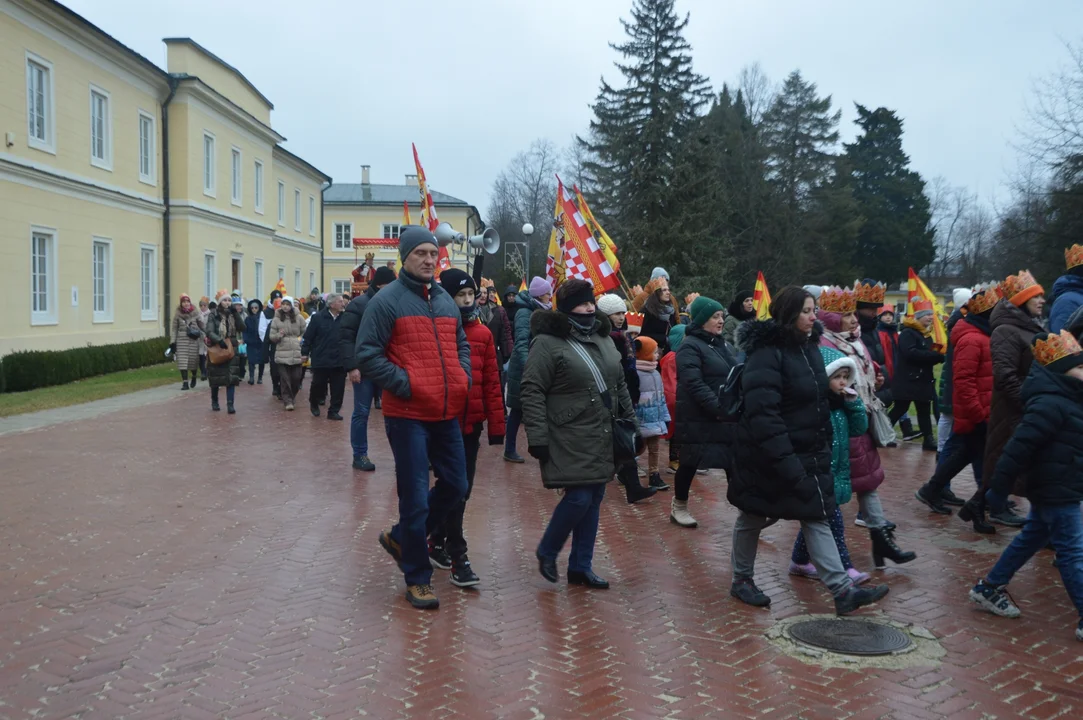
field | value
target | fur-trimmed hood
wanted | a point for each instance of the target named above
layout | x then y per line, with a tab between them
551	322
755	334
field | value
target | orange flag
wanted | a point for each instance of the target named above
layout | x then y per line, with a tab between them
761	298
918	291
522	285
406	213
428	212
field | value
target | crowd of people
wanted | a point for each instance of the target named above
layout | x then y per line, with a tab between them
796	408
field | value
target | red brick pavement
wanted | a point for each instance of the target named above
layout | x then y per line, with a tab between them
167	562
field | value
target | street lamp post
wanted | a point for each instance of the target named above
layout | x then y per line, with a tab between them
528	230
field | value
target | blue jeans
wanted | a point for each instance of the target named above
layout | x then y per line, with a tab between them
421	510
511	432
959	451
359	424
577	515
1061	525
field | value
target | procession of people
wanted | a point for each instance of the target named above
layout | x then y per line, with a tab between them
795	402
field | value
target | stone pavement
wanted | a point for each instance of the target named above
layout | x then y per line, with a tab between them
166	562
46	418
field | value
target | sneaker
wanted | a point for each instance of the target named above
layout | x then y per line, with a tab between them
933	503
995	599
289	406
746	591
860	520
422	597
363	463
439	558
949	498
1009	518
378	404
513	457
462	575
393	548
807	570
702	472
857	577
657	483
673	465
857	597
315	409
912	436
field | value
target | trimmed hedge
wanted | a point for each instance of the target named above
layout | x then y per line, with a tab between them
30	369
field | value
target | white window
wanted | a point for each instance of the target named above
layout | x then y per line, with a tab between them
297	284
297	210
343	236
235	176
147	150
43	302
39	104
259	279
208	165
312	279
312	216
102	279
258	185
391	232
210	272
101	129
281	272
341	286
148	281
282	204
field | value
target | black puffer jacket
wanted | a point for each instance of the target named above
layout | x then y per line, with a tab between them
914	366
349	324
703	363
1048	444
627	362
784	436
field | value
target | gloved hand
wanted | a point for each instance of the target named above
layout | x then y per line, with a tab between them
995	501
223	344
539	452
496	439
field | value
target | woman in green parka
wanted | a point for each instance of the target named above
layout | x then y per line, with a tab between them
224	327
569	422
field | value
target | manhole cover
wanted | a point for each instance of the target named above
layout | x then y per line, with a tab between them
850	637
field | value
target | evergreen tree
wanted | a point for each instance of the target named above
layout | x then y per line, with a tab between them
635	136
891	197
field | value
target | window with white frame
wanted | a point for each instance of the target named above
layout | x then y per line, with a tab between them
343	236
341	286
281	272
101	129
312	279
297	209
43	301
208	165
258	186
312	216
391	231
102	279
235	176
210	272
147	150
258	285
148	281
39	104
282	203
297	293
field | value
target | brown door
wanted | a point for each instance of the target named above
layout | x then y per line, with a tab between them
236	274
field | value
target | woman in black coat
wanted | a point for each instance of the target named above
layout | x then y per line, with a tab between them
704	362
913	383
784	449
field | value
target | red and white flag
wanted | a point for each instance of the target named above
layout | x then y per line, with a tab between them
428	212
583	258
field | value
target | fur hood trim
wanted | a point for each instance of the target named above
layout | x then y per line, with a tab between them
753	335
550	322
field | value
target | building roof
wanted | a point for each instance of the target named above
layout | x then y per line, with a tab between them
223	63
358	194
303	163
65	10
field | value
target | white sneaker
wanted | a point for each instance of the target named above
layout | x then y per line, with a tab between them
678	513
995	599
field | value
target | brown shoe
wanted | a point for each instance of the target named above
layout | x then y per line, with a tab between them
422	597
393	548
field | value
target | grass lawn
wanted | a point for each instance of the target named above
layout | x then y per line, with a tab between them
81	391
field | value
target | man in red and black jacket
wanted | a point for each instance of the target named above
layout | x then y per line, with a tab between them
412	344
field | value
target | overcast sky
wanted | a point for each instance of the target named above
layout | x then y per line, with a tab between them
473	82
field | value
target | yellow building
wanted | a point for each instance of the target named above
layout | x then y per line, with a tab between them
123	185
362	218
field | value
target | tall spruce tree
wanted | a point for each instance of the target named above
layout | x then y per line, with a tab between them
635	137
891	197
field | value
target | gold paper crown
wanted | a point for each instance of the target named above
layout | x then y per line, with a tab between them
634	321
866	293
1015	284
921	305
486	283
1073	256
1055	347
838	300
984	298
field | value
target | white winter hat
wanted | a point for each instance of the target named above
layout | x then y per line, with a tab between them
659	272
290	300
961	296
610	304
815	291
840	363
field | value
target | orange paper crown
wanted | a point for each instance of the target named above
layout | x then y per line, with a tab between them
1020	288
634	322
867	293
1055	347
922	305
1073	256
838	300
984	298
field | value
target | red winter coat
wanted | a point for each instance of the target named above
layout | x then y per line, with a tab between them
486	401
972	373
668	367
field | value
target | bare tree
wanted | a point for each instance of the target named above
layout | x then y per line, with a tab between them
965	230
757	90
1055	113
525	192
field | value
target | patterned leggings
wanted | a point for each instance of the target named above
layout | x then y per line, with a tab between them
800	549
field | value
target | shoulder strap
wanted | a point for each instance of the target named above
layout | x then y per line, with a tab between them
581	351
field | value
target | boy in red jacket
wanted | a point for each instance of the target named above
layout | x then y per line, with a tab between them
447	545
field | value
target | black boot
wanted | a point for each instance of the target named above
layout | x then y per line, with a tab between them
230	409
629	478
883	546
973	513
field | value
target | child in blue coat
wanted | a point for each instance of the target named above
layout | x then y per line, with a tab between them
652	411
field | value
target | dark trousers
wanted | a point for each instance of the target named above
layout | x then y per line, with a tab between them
321	379
203	367
421	510
961	450
682	481
252	366
230	390
276	387
923	408
450	533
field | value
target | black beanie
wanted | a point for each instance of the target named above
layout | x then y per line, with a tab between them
582	292
453	280
384	276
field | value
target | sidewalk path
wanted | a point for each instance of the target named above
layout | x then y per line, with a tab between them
45	418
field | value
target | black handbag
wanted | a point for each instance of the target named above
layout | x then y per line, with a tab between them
627	441
193	331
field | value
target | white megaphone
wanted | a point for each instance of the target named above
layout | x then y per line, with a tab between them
489	241
445	235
